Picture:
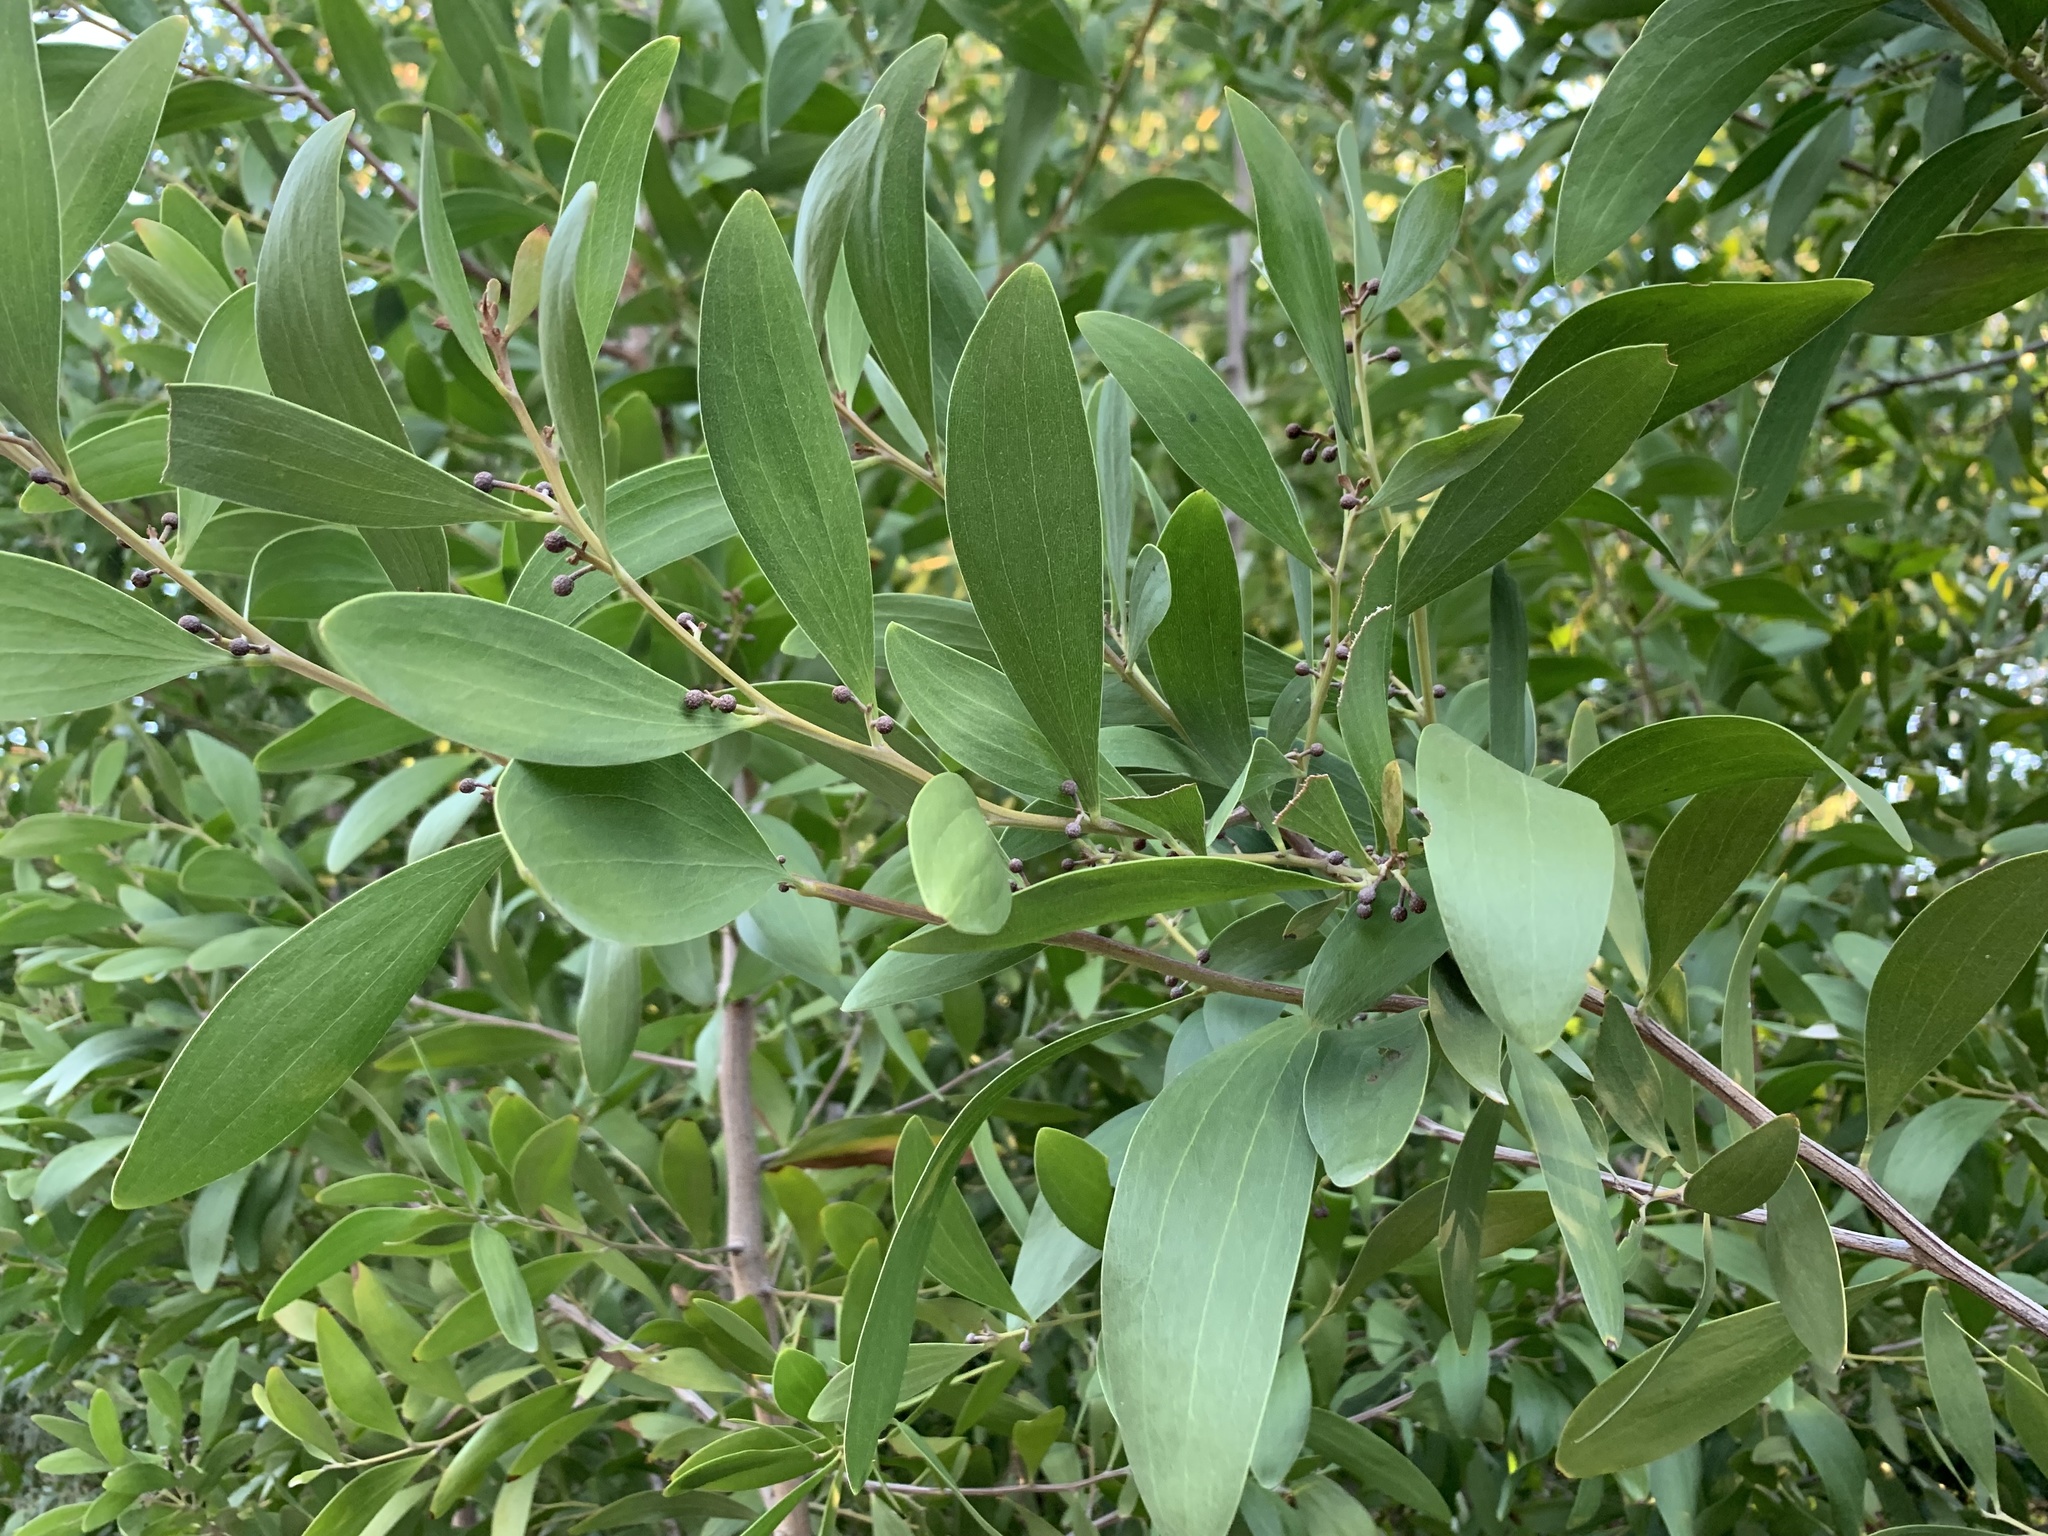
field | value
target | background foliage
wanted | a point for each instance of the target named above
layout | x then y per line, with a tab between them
490	1279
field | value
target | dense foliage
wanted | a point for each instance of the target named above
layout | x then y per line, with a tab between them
1326	722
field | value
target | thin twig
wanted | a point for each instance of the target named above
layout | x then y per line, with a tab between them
1887	386
1001	1491
673	1063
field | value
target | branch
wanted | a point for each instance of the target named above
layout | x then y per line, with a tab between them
1002	1491
673	1063
1887	386
1990	47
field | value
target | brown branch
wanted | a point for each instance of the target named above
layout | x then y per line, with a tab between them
673	1063
1887	386
1001	1491
745	1229
1063	210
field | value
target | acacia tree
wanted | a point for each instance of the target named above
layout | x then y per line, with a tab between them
736	805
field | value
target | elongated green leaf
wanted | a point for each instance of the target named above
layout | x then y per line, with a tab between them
351	1381
1947	970
1317	813
776	445
1959	1395
1511	735
661	515
1640	770
226	353
1958	281
1073	1178
565	358
1572	1176
607	1014
303	574
1626	1079
444	256
1694	63
1806	1272
262	451
297	1024
347	731
610	153
972	714
32	266
512	683
59	832
799	62
829	199
1435	462
1037	35
1115	893
1424	231
1718	335
102	140
900	977
498	1271
351	1510
958	1256
1026	515
1573	430
1376	1465
1197	1269
1362	1095
1161	205
887	264
1746	1172
1464	1220
312	349
1703	856
1366	958
961	871
884	1347
1362	715
648	853
1296	246
115	465
499	1432
388	802
1198	648
1201	423
1469	1040
74	643
1923	205
1523	872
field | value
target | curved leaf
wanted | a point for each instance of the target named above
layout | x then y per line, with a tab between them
610	153
74	643
961	872
1362	1094
1958	281
101	142
32	268
1197	649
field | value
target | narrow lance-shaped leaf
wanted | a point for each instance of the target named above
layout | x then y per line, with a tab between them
1435	462
610	154
32	269
1464	1219
1573	1179
1026	514
312	348
1799	1248
444	259
1694	63
830	197
101	142
1959	1395
1201	423
1198	648
1507	674
776	445
298	1024
1703	856
1424	231
1296	246
1362	704
565	360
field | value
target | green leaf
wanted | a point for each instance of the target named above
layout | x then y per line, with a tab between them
115	465
1362	1095
1161	205
1424	231
1626	1079
502	1286
648	853
565	358
607	1012
444	256
1201	423
226	353
352	1385
1573	430
32	269
1643	769
262	451
826	211
1362	715
961	872
1470	1041
297	1024
900	977
1717	335
1037	35
1958	281
541	1171
1523	872
1959	1395
74	643
1197	649
610	153
354	1236
470	1321
301	575
1694	63
797	1380
1572	1176
776	445
1317	813
101	142
1923	205
512	683
1073	1178
1464	1220
1198	1268
294	1413
1702	858
654	518
1026	515
1746	1172
347	731
1435	462
2026	1405
1366	958
1116	893
359	1501
1295	245
359	54
887	264
1510	735
498	1433
1946	972
799	62
884	1336
53	833
1376	1465
1806	1273
312	348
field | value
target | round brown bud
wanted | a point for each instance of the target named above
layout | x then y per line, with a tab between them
563	584
465	786
42	476
1308	455
1316	749
1416	902
1070	789
1074	827
1334	856
1016	866
1065	865
1302	669
725	703
554	541
1400	913
1202	956
483	480
1363	909
1391	355
1294	429
1348	502
1438	691
1330	454
1343	652
884	724
841	694
139	579
696	698
239	647
192	625
1139	845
